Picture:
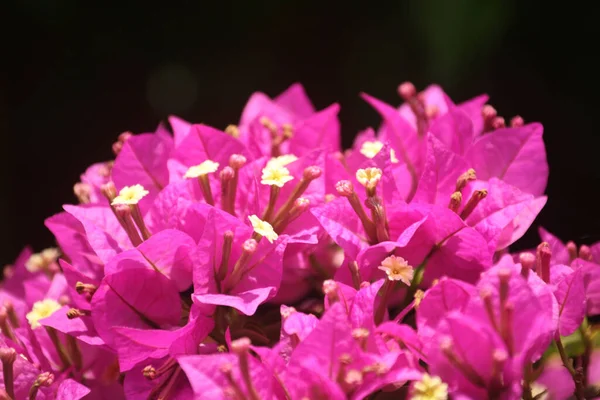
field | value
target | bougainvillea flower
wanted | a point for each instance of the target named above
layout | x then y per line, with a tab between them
236	270
566	253
506	153
260	262
288	124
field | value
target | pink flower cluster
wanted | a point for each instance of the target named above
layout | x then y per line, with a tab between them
261	262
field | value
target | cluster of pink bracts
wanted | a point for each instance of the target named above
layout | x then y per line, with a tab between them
262	263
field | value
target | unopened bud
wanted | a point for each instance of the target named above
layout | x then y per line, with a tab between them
498	123
311	173
572	249
516	122
527	261
8	355
227	174
585	253
233	130
488	112
125	136
543	256
250	246
344	188
83	192
237	161
241	345
301	204
330	288
117	147
407	90
122	210
109	191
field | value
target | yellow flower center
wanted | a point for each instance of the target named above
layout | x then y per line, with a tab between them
370	149
263	228
429	388
282	161
41	309
41	261
205	168
397	269
275	175
130	195
369	177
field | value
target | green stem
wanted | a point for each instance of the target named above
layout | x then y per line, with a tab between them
577	376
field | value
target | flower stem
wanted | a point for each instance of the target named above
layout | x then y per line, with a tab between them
577	375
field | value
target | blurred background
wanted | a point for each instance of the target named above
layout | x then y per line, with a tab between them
75	75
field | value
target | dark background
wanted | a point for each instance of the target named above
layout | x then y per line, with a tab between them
75	75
